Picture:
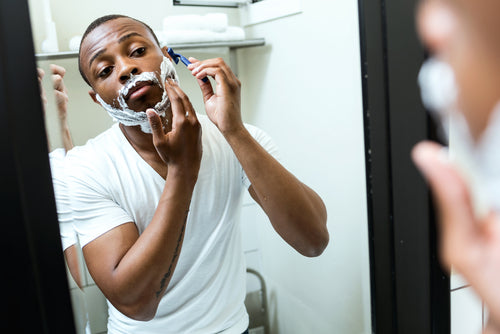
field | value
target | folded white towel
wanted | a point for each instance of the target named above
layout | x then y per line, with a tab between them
74	43
216	22
167	38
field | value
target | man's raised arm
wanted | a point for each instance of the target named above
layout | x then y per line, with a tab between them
296	212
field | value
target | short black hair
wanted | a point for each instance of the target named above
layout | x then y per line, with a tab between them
96	23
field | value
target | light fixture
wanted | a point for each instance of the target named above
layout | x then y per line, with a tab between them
212	3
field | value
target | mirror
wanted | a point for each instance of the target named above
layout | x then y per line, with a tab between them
314	114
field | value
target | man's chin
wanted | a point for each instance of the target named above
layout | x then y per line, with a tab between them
138	107
147	100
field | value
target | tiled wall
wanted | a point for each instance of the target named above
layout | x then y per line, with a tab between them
468	315
250	213
251	243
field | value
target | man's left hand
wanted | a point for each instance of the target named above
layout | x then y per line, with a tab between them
223	106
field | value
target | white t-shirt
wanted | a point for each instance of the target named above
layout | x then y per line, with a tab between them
110	184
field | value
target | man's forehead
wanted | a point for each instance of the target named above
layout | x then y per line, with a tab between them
111	32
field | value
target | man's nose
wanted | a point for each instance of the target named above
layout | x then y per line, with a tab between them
127	69
436	23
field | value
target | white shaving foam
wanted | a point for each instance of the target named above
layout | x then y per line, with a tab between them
129	117
478	161
439	91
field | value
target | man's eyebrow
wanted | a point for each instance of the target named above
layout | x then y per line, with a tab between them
120	40
97	54
123	38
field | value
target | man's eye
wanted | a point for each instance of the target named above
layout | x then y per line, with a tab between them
139	51
104	72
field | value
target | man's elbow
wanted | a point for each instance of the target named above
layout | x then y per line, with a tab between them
139	308
139	304
317	244
138	312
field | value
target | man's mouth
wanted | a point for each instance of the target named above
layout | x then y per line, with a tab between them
137	89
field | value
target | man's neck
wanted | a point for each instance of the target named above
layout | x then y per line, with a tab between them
140	141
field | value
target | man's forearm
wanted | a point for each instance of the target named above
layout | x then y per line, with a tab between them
143	266
66	138
296	211
159	246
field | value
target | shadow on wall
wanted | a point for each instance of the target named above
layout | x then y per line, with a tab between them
259	59
273	313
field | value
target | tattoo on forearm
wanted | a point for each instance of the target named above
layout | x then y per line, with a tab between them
174	258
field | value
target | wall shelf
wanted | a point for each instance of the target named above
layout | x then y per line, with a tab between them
232	45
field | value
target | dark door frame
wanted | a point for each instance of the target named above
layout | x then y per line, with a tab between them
410	292
35	297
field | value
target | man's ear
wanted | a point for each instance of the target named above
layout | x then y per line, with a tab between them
93	96
164	50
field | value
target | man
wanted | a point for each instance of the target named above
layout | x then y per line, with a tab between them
464	35
156	197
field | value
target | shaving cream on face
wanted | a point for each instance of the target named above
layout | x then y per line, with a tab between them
129	117
438	91
479	162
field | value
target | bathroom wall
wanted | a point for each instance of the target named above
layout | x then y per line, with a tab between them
304	89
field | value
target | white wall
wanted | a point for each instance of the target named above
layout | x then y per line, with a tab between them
304	89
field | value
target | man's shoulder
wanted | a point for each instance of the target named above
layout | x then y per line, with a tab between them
105	143
92	163
212	135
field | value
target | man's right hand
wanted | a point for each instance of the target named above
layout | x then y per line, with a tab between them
180	147
470	244
43	96
60	92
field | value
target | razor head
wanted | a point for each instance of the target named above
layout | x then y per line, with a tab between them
175	56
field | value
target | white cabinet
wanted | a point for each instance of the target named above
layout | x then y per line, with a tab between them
466	308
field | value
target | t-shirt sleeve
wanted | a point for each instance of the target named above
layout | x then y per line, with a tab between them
93	208
266	142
